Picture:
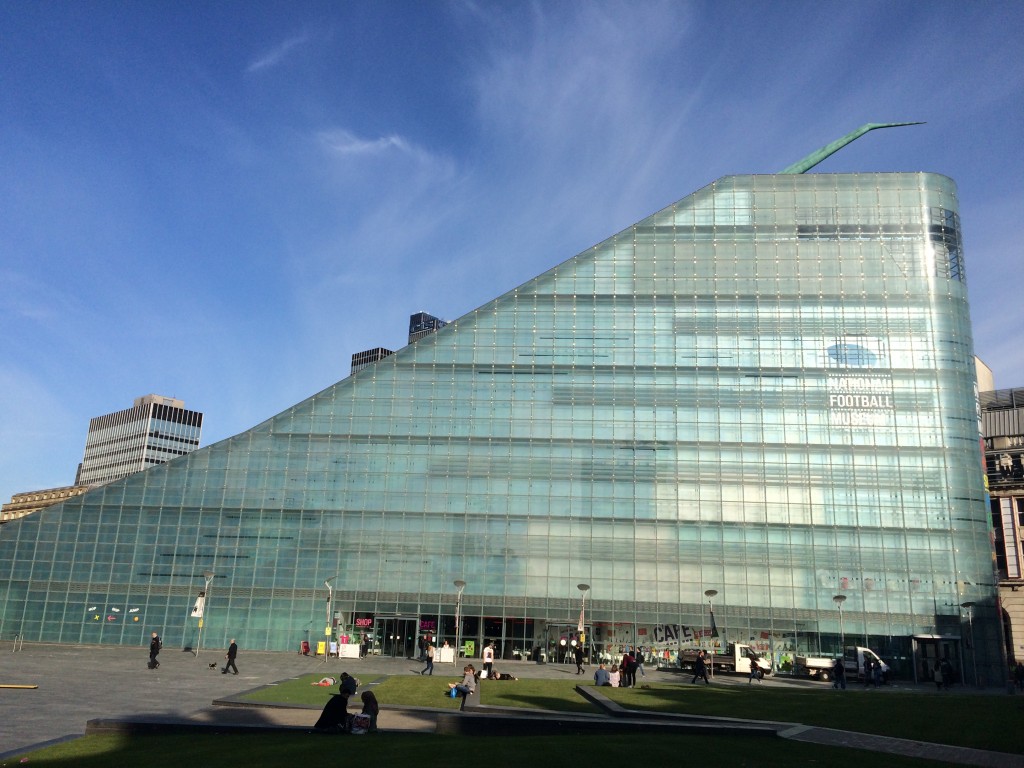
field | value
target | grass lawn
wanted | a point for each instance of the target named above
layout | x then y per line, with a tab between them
965	720
287	750
299	691
982	722
416	691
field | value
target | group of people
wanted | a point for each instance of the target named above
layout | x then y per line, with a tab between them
622	674
336	718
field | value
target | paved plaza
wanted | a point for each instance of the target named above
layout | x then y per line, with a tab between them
78	684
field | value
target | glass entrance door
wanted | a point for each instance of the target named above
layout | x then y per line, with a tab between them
932	651
397	636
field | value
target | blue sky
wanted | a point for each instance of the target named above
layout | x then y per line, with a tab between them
223	201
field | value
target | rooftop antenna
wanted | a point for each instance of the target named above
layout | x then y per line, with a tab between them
830	149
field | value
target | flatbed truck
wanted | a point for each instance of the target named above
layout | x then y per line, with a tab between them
823	668
737	658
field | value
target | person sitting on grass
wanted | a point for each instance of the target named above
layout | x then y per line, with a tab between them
468	685
602	676
371	708
614	676
335	717
348	684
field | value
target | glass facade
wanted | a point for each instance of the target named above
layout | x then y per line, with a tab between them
766	390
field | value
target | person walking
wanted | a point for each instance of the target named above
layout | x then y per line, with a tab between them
230	656
948	674
429	669
839	674
700	668
577	654
154	649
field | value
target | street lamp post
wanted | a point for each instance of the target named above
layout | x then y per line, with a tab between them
208	575
583	588
710	594
969	605
839	600
327	626
459	585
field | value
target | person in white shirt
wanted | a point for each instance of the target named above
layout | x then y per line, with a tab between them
488	659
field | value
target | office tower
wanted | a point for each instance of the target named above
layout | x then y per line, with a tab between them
362	359
153	431
422	324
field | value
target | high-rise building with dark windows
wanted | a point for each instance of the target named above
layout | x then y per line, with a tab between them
154	430
422	324
760	400
368	357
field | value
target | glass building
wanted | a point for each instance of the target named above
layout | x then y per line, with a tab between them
757	402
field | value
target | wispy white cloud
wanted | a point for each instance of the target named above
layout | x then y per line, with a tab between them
277	55
342	142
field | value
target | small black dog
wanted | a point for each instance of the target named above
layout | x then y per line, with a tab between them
213	666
